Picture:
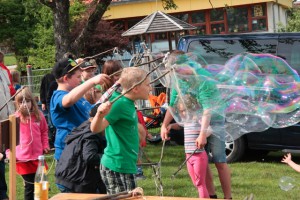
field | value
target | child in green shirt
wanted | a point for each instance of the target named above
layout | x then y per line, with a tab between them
120	122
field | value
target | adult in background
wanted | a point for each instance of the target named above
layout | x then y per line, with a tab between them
7	74
88	71
48	85
16	79
47	80
5	95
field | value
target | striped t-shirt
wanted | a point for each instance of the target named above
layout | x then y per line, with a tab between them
191	133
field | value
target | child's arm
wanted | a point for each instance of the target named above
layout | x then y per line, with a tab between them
142	133
75	94
164	127
174	126
201	140
44	134
99	123
288	160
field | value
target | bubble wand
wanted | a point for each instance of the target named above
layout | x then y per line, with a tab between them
123	195
182	164
11	98
140	82
94	56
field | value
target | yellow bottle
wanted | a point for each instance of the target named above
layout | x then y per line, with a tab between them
41	184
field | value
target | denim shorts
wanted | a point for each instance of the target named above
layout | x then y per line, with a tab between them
216	145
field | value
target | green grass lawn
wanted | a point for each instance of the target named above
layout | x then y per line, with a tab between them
10	60
260	177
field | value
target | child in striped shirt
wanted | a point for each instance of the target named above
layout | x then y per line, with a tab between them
197	159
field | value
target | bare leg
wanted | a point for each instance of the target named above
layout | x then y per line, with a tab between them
210	182
225	179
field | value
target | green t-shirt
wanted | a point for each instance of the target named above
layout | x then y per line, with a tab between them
121	153
202	88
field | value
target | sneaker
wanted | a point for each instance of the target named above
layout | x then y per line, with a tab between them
155	139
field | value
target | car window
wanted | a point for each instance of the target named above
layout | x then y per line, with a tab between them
219	51
289	49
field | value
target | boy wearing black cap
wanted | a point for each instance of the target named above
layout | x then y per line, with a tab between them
88	70
68	108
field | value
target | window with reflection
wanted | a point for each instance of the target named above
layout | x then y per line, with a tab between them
182	33
198	20
259	17
258	10
201	30
237	19
132	22
217	14
217	29
259	25
288	49
182	16
217	21
219	51
161	36
198	17
120	25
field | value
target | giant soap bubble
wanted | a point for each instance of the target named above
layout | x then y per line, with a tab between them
250	93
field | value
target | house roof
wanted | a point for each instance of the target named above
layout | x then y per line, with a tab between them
158	22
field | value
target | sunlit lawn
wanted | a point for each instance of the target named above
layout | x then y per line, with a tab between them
260	177
10	60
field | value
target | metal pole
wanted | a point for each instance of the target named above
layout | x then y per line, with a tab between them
29	76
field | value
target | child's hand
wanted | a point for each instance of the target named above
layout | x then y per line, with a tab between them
164	132
287	158
101	79
173	126
119	81
46	150
201	141
169	127
104	109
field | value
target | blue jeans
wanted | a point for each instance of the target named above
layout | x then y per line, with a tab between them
63	189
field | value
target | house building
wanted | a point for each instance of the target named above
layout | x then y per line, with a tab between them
209	16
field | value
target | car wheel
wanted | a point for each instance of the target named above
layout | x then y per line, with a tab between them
235	149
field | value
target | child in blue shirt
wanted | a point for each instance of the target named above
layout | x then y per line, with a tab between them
68	108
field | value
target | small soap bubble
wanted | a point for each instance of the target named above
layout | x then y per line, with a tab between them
286	183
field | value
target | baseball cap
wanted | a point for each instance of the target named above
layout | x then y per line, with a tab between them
63	67
86	65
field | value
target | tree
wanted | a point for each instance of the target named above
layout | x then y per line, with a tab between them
16	27
293	22
62	34
106	36
42	51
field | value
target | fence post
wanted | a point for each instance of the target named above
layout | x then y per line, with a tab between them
29	76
